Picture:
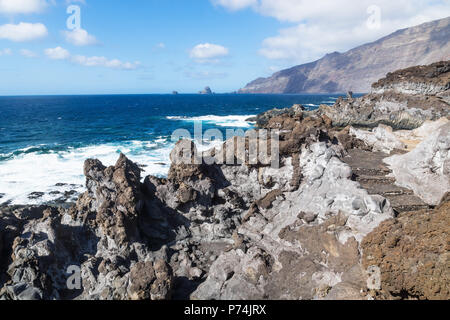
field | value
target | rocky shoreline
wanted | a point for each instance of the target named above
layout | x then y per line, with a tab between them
359	209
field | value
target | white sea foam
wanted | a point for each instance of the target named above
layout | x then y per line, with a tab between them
328	102
56	172
222	121
61	172
41	172
331	100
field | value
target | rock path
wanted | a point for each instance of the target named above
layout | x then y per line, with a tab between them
373	175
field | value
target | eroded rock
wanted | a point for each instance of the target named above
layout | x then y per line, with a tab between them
426	169
412	253
405	99
150	281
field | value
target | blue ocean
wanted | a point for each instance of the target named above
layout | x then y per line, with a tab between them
44	140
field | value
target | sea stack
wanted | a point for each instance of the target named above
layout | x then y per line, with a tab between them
207	90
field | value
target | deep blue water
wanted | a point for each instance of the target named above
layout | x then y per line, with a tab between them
44	140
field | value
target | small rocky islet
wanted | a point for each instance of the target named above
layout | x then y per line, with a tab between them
363	187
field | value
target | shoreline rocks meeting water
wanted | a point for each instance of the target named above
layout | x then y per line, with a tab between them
358	209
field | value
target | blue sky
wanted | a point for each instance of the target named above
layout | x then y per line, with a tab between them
156	46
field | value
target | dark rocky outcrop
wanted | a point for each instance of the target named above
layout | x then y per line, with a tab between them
150	281
113	198
405	99
428	80
102	235
263	118
412	252
207	90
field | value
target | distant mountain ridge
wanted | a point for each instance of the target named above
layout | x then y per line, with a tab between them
356	69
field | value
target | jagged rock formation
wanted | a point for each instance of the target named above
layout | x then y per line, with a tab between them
311	221
400	101
263	119
113	196
358	68
100	236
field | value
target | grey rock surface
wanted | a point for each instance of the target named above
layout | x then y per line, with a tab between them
426	169
392	101
277	247
381	138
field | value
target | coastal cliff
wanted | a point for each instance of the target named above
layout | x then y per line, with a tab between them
314	228
358	68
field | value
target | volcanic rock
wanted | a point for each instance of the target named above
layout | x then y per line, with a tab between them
405	99
412	253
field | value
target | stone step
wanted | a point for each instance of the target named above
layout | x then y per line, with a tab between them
368	179
376	172
385	189
367	163
372	173
405	203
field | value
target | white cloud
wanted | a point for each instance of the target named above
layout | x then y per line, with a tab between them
161	45
320	27
23	31
5	52
208	53
104	62
57	53
22	6
28	53
235	4
80	37
72	1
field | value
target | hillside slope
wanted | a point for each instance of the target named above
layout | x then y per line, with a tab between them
357	69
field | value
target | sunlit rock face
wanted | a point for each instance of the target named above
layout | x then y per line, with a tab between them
357	69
